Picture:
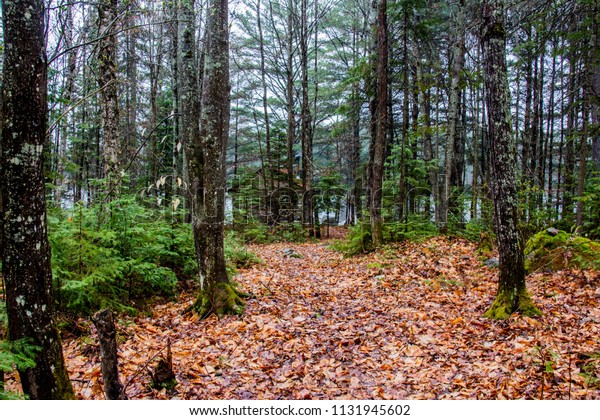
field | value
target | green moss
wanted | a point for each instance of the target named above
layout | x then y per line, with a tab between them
223	299
485	247
560	251
505	305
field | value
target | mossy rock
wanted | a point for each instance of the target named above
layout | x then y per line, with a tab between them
556	250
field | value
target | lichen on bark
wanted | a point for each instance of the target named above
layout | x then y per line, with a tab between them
512	293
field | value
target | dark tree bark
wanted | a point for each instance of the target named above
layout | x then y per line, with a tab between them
130	136
512	293
306	125
263	74
26	251
594	84
457	60
378	143
218	294
61	148
177	142
107	81
424	81
189	130
109	360
289	96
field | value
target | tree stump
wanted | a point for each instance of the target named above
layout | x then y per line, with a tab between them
163	375
104	322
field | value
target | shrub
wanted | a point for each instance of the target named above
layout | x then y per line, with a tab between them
358	241
13	354
237	255
111	256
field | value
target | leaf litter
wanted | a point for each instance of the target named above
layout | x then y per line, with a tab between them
401	323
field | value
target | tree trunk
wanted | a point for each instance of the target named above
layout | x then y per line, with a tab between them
26	251
378	145
264	102
306	126
218	294
569	153
423	80
512	293
594	84
289	93
107	81
131	104
69	87
177	143
457	59
109	360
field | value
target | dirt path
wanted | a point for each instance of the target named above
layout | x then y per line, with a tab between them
402	323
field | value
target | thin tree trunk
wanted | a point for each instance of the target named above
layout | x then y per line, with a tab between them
131	134
107	81
458	56
594	84
306	125
379	144
176	181
264	100
290	98
569	164
69	87
550	133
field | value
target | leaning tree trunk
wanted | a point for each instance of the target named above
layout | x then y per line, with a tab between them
218	294
26	251
512	293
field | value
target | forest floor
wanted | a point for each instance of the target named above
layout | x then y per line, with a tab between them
401	323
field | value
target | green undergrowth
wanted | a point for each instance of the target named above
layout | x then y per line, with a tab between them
560	250
359	239
124	255
260	233
237	255
18	354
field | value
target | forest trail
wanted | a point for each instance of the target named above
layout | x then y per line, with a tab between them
405	322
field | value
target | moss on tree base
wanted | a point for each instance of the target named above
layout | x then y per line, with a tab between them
223	299
504	306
